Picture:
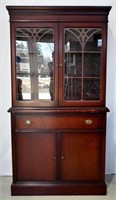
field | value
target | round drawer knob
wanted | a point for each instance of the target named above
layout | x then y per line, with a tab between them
28	122
88	121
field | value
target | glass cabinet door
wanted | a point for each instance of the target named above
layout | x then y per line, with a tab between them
60	66
35	66
82	65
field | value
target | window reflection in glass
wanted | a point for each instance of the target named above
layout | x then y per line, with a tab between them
35	63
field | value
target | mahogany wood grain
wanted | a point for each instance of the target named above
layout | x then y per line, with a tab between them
58	147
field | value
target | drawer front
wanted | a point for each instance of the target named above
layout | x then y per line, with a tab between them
57	122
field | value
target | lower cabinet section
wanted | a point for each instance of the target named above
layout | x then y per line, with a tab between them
60	158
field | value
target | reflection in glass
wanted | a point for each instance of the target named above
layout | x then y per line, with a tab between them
70	93
82	54
91	89
35	63
92	64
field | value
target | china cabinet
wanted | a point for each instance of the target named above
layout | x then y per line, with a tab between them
58	113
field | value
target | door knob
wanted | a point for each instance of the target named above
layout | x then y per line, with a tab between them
54	157
62	157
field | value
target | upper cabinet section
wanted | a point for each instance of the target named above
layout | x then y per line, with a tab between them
58	55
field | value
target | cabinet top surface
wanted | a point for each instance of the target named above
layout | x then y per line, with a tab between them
69	9
59	110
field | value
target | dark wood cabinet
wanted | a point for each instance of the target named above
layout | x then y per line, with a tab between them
58	113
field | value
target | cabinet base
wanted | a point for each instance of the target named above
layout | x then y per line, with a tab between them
58	189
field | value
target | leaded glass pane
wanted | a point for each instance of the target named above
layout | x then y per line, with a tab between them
82	69
35	63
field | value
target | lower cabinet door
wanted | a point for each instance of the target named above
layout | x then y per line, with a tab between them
35	156
81	156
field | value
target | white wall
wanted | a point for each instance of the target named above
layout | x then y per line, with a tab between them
5	80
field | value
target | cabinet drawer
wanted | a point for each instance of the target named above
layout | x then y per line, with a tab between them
56	122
